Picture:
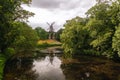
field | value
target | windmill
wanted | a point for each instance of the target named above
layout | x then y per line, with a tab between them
51	30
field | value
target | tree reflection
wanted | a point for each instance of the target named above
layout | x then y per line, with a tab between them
91	69
19	69
52	68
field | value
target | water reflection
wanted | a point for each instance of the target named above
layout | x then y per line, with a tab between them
19	69
91	68
48	68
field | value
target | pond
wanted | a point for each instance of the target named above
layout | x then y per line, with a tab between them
54	67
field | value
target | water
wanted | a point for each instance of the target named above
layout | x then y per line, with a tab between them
48	68
53	67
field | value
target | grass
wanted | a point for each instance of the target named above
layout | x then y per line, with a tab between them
48	43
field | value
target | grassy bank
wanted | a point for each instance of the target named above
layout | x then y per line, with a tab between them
48	43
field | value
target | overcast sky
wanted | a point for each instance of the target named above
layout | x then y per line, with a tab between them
57	11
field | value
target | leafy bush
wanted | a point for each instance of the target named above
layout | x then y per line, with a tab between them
9	52
91	52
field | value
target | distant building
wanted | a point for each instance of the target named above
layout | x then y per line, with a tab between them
51	31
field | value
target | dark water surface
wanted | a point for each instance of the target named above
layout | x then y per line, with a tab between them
53	67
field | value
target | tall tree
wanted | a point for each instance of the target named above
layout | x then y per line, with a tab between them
74	36
100	27
11	11
103	20
102	30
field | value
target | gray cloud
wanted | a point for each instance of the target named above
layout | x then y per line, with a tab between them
61	4
57	10
47	3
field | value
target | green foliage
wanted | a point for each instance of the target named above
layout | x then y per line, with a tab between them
58	33
74	36
10	12
42	34
91	52
114	12
27	38
9	52
100	27
97	34
116	40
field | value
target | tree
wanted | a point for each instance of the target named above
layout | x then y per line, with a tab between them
11	11
42	34
74	36
58	33
101	28
103	20
26	39
114	12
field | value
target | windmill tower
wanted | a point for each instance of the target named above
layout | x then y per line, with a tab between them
51	30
